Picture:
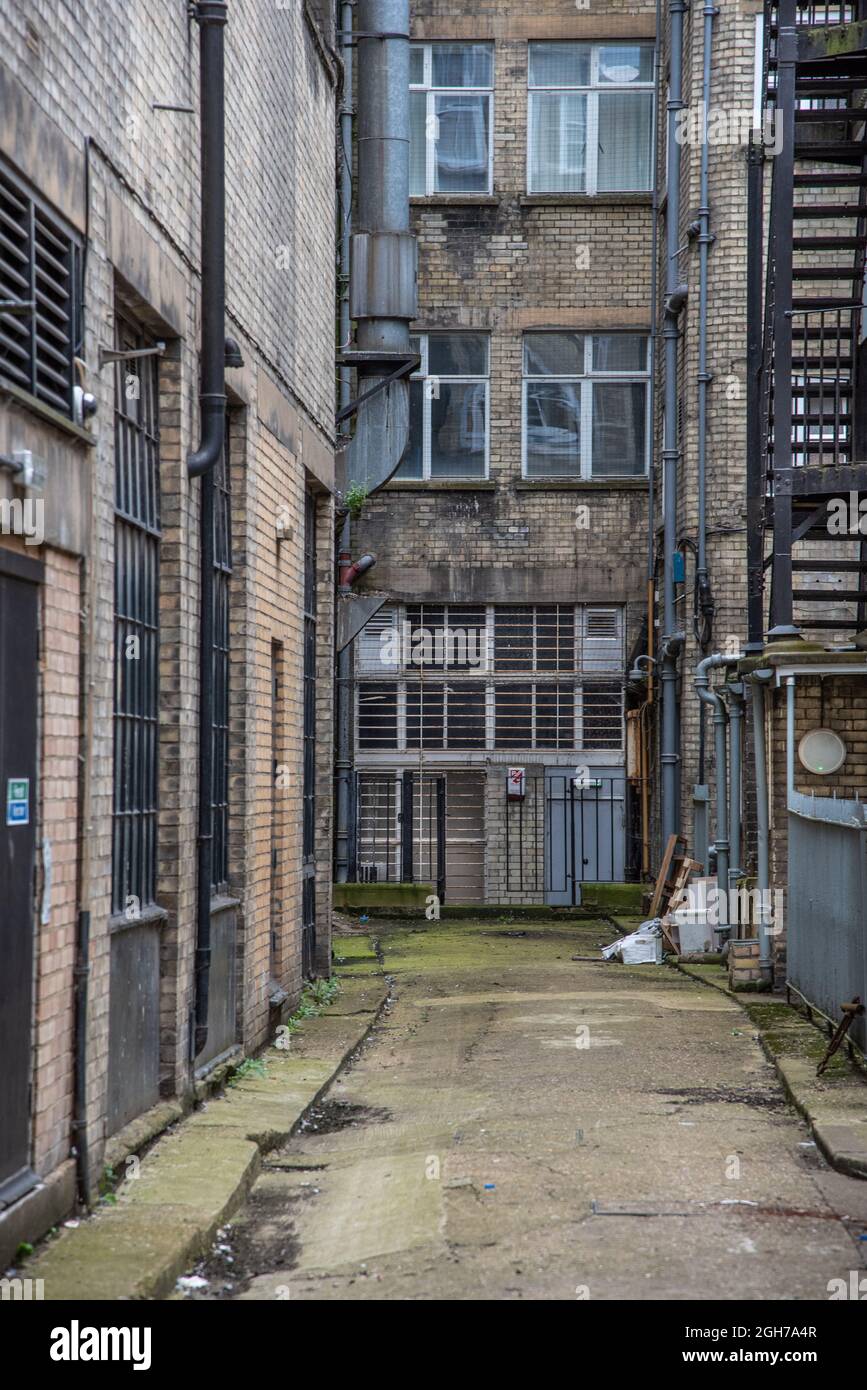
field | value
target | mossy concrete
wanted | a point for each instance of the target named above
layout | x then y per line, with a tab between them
834	1104
349	896
165	1214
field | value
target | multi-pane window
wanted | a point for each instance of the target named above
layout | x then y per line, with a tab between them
450	118
220	647
586	403
39	274
504	677
591	117
448	404
136	625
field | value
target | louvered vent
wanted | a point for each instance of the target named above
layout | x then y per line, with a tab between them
38	265
603	639
377	643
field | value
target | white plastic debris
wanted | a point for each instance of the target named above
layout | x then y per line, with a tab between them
189	1282
642	947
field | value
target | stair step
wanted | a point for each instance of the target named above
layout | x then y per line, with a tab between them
826	114
823	363
821	302
836	149
801	210
828	243
832	179
838	624
831	565
823	272
820	87
824	595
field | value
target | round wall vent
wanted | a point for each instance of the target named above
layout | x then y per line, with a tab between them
822	751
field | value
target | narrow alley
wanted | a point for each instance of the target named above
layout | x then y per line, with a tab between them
522	1124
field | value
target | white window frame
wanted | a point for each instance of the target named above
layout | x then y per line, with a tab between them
422	375
426	86
591	91
590	377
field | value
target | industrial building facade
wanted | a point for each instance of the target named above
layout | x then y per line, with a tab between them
511	541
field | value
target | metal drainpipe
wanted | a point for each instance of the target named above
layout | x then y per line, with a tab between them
735	696
757	682
720	720
790	739
675	297
705	240
343	693
211	17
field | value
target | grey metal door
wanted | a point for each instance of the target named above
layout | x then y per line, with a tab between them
585	832
19	612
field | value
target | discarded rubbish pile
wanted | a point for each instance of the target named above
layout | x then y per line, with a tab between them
642	947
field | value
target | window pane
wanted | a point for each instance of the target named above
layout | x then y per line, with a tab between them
626	62
377	716
462	143
424	716
555	714
619	352
410	465
553	429
553	354
458	431
462	65
466	710
416	63
555	638
513	639
513	716
458	354
558	145
417	143
624	141
619	420
602	715
559	64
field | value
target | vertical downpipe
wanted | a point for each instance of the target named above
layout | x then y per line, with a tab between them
210	15
670	757
343	693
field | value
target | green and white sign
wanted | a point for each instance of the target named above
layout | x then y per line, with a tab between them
18	801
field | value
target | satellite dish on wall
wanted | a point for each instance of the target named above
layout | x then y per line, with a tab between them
822	751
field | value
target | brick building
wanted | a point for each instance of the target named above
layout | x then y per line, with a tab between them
512	538
100	590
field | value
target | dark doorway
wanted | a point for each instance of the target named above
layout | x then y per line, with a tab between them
19	657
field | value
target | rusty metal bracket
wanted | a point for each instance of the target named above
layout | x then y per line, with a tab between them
850	1013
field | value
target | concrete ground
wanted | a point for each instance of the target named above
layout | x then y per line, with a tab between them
524	1124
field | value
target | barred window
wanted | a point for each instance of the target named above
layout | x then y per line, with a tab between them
220	646
136	624
40	263
505	698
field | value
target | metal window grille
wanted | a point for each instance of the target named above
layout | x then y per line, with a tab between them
221	658
39	289
136	624
525	678
308	936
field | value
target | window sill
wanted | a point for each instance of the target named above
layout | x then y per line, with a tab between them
46	413
586	200
441	485
581	484
153	916
482	200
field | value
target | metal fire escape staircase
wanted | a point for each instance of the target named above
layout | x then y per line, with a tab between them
814	365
